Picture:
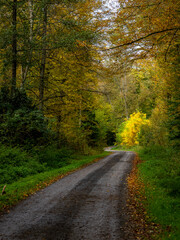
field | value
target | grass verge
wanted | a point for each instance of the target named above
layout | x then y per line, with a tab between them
24	187
154	191
160	173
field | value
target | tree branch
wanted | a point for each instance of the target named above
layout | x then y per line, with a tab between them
139	39
170	44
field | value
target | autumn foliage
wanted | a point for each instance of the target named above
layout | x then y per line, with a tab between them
131	129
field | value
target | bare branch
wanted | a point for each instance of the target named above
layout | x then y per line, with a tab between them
139	39
170	44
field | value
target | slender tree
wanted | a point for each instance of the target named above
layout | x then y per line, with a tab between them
14	47
43	57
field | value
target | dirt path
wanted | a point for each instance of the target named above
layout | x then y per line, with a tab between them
86	205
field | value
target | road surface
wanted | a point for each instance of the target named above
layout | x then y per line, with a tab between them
86	205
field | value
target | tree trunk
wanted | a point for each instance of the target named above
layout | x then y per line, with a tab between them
14	48
124	94
26	68
80	114
43	60
58	131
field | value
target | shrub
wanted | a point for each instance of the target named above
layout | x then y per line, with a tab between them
21	123
24	127
119	138
145	136
55	158
156	132
131	129
10	103
15	164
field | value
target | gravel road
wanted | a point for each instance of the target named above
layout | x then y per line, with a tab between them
86	205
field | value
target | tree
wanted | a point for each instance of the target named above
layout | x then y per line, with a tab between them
142	27
128	134
14	46
51	59
149	31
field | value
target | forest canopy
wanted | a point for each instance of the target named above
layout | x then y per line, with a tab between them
72	71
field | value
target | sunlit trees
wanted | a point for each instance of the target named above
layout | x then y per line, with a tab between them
145	47
128	133
143	27
55	53
48	52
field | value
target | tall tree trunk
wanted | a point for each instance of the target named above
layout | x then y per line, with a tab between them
26	68
125	94
43	59
30	2
122	84
58	131
14	48
80	114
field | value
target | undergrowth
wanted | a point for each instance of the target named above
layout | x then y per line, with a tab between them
16	163
159	174
25	172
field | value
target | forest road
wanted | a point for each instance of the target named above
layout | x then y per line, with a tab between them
88	204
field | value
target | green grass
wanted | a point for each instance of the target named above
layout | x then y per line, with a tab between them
160	173
17	190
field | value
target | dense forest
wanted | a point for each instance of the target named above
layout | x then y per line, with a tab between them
79	75
71	71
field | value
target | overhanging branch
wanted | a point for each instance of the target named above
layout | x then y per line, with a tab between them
139	39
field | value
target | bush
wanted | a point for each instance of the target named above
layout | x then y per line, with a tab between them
21	123
155	133
55	158
131	128
24	127
145	136
15	164
119	138
10	103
